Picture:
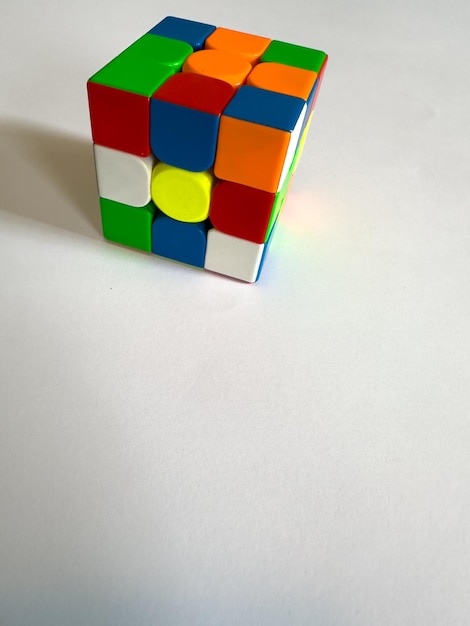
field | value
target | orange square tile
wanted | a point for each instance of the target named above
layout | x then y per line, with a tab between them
292	81
251	154
249	46
221	64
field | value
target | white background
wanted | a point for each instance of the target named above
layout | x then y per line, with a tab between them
178	448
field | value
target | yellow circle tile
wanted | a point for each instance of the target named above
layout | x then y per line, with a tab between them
180	194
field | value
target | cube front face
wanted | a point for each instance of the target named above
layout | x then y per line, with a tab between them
197	131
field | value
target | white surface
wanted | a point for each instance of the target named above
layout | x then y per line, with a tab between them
123	177
232	256
177	448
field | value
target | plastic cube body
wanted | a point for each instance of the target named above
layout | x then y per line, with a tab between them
197	132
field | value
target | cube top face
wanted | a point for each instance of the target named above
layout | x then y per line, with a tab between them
197	131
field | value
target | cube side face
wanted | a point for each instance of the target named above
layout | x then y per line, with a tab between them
197	132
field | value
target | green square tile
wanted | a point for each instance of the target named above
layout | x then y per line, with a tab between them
128	225
144	65
297	56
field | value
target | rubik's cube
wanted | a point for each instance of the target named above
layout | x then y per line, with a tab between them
197	131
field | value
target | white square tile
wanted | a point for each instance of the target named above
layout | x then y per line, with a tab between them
233	256
123	177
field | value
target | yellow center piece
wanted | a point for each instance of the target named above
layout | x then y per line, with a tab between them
182	195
